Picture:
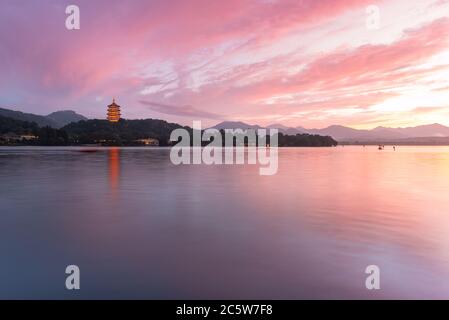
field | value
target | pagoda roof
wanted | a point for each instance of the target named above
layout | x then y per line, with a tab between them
113	104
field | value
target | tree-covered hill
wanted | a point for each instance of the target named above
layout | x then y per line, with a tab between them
8	125
12	132
41	121
125	132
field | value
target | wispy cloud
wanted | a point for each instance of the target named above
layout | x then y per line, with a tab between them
183	111
292	60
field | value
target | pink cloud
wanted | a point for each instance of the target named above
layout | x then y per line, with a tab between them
114	36
369	64
43	64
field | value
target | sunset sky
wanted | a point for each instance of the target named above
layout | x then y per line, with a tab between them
309	63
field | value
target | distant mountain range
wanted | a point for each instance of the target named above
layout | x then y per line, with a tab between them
432	132
55	120
425	134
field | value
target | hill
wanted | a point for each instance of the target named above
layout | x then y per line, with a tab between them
41	121
63	118
8	125
125	132
342	133
54	120
12	132
235	125
350	135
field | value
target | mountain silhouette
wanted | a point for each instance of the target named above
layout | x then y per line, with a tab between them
55	120
65	117
347	134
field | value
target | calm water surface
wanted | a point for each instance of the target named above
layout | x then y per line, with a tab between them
140	227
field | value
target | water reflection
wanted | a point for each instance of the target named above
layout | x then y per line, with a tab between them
225	231
114	170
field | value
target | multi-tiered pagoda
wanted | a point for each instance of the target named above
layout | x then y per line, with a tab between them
113	112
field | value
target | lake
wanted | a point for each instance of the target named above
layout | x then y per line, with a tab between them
140	227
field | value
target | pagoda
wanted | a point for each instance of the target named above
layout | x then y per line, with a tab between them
113	112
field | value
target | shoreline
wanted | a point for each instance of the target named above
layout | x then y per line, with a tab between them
368	146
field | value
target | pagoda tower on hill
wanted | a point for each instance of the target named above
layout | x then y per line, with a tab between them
113	112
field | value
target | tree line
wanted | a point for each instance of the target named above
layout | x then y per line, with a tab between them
126	133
